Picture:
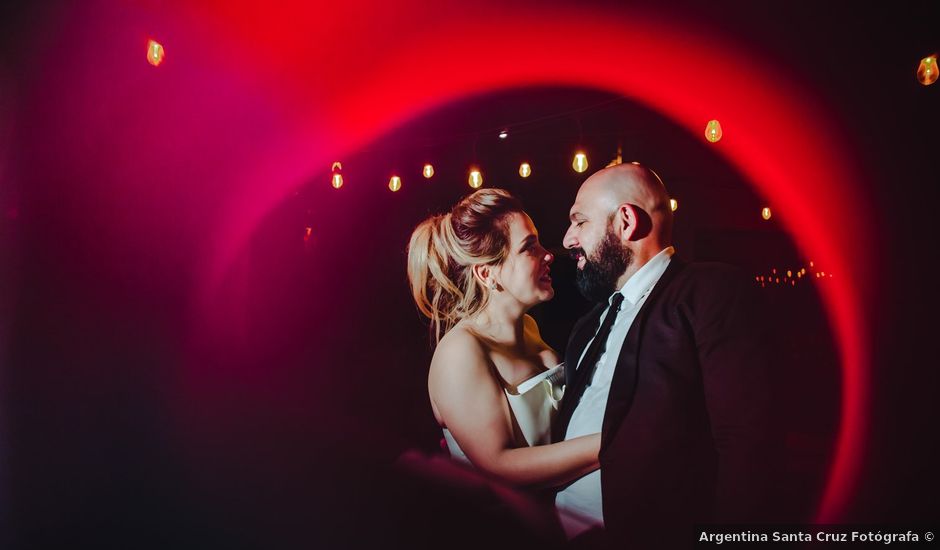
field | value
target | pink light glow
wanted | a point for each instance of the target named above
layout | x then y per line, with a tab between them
633	57
310	101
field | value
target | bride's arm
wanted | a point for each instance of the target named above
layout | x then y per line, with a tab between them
475	410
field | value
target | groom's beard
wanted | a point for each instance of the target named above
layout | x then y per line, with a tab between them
598	280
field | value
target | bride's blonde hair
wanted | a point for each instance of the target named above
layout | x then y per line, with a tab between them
445	247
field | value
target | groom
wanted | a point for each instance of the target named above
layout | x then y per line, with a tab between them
670	368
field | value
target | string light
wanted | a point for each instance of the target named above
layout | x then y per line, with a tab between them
394	183
927	71
789	279
766	213
713	131
504	134
525	170
476	178
155	53
673	204
337	169
580	162
307	232
427	171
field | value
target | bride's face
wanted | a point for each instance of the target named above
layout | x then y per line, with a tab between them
524	274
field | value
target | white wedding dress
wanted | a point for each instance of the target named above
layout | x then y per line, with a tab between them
532	405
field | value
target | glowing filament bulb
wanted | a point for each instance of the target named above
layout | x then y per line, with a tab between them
476	179
713	131
765	213
525	170
580	162
673	204
927	71
427	171
337	169
394	183
155	53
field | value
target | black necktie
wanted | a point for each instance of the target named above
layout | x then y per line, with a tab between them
598	345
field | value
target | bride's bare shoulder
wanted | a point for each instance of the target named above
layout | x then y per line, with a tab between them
458	343
460	353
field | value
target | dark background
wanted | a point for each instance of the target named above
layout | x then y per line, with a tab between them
99	444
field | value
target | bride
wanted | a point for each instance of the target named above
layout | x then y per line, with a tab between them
493	381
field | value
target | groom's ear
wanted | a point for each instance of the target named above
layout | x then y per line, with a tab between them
631	222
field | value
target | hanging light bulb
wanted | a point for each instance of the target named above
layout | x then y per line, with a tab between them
155	53
337	170
427	171
525	170
765	213
394	183
713	131
927	71
673	204
476	178
580	162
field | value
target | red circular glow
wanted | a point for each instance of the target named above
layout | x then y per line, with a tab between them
684	73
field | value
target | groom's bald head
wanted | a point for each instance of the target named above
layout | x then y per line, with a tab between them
632	184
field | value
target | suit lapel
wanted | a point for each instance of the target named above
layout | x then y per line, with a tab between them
623	384
581	334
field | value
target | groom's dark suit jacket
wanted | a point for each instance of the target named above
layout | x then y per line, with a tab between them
686	425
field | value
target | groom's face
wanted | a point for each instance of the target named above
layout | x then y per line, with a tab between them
594	243
600	264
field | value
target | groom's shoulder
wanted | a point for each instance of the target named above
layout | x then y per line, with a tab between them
710	275
712	281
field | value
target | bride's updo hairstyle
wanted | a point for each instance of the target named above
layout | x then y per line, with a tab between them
445	247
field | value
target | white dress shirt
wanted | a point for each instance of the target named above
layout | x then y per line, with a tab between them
579	504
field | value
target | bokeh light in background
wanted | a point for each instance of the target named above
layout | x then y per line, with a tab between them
337	179
475	178
525	170
713	131
155	53
580	162
927	70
